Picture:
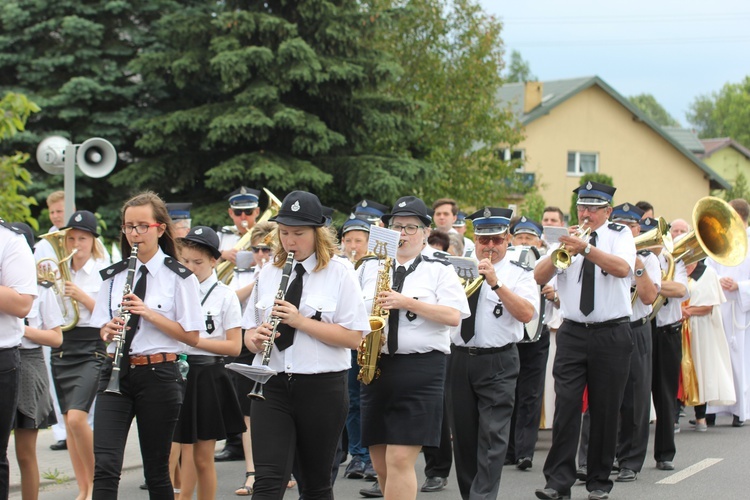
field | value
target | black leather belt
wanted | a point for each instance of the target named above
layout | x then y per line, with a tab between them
602	324
478	351
200	359
639	322
672	326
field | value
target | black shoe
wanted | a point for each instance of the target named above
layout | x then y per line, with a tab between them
370	474
710	419
736	422
60	445
372	492
355	469
615	467
524	463
551	494
228	456
509	461
598	495
626	476
582	473
434	484
665	465
144	486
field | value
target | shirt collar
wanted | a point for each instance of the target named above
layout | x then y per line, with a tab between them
208	283
156	263
309	263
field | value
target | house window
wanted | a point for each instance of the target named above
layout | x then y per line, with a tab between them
516	155
582	163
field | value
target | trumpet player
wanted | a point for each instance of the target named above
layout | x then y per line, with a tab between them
594	342
484	362
243	210
165	311
321	316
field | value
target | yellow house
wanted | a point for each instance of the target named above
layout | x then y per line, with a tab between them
727	158
583	125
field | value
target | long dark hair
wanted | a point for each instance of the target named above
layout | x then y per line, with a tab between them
159	208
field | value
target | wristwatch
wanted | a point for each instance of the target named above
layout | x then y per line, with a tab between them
639	272
587	250
497	286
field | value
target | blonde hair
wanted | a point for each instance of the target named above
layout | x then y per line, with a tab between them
55	196
326	246
261	231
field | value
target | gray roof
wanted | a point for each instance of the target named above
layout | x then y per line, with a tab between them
687	138
556	92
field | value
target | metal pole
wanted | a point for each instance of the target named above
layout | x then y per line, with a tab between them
70	181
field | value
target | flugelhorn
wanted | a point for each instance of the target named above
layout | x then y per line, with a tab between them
658	237
561	257
45	273
257	390
114	378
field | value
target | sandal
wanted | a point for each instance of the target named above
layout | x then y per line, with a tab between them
245	490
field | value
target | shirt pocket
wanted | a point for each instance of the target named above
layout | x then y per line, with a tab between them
319	307
263	308
422	294
161	301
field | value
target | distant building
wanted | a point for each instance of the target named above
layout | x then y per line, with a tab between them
727	158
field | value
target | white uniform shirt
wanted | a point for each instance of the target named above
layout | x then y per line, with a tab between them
228	238
492	331
241	280
469	248
17	271
170	294
653	269
45	314
222	308
612	295
671	311
89	280
333	292
433	283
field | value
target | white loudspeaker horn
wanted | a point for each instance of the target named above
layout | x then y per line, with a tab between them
50	154
96	157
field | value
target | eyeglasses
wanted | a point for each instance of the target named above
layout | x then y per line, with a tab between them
261	249
485	240
239	211
409	229
591	209
139	229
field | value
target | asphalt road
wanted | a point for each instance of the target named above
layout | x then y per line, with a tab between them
709	465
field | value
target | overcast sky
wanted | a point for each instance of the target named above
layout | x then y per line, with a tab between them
674	50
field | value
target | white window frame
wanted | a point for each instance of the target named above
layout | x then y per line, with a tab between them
508	153
578	172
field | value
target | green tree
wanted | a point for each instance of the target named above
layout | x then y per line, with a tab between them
740	189
452	55
600	178
533	205
651	107
276	94
15	110
723	114
519	70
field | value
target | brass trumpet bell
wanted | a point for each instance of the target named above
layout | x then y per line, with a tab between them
561	257
657	237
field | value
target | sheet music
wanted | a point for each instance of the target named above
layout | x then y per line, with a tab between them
465	267
552	233
388	237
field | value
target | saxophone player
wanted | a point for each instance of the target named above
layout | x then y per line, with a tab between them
402	410
484	361
322	316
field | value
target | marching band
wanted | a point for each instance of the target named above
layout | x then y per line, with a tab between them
255	332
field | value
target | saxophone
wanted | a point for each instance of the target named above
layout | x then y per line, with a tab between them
369	350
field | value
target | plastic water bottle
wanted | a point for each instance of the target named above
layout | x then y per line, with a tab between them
183	366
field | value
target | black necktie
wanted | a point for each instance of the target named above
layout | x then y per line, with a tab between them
293	296
398	283
587	282
140	292
468	324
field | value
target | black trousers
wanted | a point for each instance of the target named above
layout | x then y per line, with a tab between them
599	358
527	412
632	440
439	459
10	360
302	416
667	356
153	394
481	393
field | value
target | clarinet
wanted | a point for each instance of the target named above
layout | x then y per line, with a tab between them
114	379
275	321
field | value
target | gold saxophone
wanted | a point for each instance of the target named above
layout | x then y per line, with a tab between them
369	350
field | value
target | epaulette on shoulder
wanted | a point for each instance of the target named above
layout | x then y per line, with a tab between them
523	266
181	271
444	262
616	227
644	252
114	269
228	230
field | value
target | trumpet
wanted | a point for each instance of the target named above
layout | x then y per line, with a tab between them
561	257
257	390
113	386
45	274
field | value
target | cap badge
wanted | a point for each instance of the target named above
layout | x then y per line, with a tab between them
295	206
589	186
78	218
402	204
487	212
243	190
199	231
364	203
523	219
647	221
626	207
351	216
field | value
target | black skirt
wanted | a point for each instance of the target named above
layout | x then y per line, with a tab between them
405	404
210	409
34	400
76	368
